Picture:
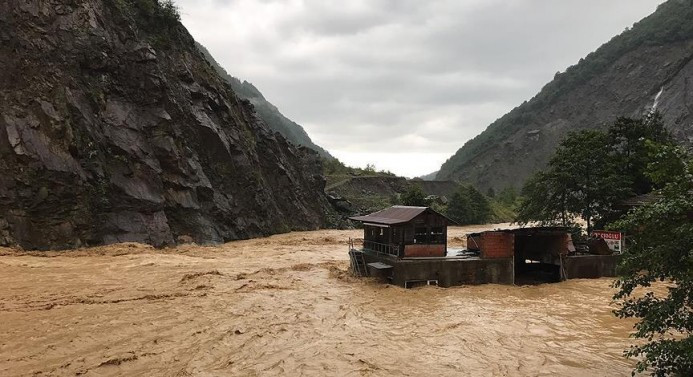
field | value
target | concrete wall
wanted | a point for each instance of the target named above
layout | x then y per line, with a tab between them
590	266
449	272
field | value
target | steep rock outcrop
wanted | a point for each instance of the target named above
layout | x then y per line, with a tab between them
113	127
269	113
649	65
367	194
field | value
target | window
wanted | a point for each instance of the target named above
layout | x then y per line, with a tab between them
437	235
420	235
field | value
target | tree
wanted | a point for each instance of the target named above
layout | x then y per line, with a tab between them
544	199
481	209
592	171
628	141
507	196
661	250
370	168
592	183
459	207
469	206
581	180
414	196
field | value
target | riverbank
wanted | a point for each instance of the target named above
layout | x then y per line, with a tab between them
286	304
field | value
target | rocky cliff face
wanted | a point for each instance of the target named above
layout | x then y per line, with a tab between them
269	113
113	127
647	66
366	194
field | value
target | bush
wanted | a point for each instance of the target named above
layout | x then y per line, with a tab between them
660	250
414	196
159	18
332	166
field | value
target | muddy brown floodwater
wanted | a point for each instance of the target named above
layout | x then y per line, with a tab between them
286	305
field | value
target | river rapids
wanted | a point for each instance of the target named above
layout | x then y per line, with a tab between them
287	305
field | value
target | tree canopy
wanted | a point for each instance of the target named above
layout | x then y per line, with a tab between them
414	196
592	171
469	206
581	180
631	142
661	250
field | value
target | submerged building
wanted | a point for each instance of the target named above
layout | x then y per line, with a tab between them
403	231
407	246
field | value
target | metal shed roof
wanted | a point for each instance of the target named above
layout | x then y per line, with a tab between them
394	215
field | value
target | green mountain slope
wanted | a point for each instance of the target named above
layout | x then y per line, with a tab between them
267	111
646	66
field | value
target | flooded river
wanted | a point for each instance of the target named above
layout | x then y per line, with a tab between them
287	305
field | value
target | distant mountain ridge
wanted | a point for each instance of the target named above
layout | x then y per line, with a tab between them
429	176
269	113
649	65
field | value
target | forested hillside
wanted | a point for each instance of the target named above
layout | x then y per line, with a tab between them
648	65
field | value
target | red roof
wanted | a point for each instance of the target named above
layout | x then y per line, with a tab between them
393	215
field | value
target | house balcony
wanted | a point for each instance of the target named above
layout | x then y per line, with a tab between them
383	249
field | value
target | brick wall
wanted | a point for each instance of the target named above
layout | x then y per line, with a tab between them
497	245
424	250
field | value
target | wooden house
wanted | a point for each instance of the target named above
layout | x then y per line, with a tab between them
405	232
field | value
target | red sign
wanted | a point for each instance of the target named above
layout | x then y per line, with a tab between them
607	235
613	239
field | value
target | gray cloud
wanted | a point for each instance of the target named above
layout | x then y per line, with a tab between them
423	75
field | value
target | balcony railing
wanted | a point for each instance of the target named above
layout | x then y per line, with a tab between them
376	247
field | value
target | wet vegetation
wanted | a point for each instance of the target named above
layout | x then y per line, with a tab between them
660	251
589	176
334	167
159	19
592	172
467	205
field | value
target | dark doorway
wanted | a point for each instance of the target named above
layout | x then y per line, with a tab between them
537	258
531	272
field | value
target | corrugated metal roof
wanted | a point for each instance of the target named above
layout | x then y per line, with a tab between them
392	215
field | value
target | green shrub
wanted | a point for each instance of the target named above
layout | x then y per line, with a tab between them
160	19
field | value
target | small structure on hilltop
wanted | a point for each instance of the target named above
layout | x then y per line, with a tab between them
407	246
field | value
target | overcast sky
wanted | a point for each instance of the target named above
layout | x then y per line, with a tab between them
402	84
